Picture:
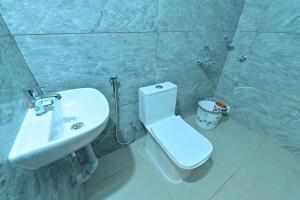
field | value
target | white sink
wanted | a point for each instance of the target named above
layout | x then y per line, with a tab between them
44	139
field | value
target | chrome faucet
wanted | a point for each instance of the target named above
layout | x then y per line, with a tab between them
41	101
242	58
50	95
228	43
208	63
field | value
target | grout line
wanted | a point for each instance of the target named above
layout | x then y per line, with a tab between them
250	155
222	186
246	186
18	49
238	21
264	90
225	60
157	40
25	61
136	32
262	19
77	33
118	171
147	160
4	36
241	166
192	31
269	32
238	169
99	33
157	16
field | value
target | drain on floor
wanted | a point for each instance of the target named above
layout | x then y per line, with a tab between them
77	126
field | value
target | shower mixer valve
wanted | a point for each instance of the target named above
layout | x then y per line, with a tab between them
209	58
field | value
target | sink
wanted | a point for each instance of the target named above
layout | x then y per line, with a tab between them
70	124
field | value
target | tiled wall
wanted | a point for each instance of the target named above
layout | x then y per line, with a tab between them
71	44
47	183
264	91
12	107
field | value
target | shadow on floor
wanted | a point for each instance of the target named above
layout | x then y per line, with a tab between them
200	172
120	169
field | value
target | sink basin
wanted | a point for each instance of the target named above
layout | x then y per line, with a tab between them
70	124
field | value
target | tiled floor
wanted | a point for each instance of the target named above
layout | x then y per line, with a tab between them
244	166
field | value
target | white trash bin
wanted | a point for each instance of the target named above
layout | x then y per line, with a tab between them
209	113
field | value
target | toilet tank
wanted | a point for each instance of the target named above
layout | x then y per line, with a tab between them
157	102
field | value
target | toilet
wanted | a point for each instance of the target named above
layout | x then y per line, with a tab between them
172	145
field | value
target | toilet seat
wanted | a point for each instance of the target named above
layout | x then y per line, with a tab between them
184	145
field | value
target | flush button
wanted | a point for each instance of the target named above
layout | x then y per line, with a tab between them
159	86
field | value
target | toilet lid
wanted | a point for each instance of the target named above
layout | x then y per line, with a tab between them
186	146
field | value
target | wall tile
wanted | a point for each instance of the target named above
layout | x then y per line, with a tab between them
16	183
252	15
262	16
216	40
79	16
66	61
271	65
263	91
59	42
188	97
178	55
12	101
282	16
265	115
107	143
177	58
12	67
69	61
194	15
3	29
136	75
177	62
128	113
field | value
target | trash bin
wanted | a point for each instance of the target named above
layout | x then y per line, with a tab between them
210	112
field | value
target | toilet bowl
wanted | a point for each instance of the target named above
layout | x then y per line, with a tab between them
172	145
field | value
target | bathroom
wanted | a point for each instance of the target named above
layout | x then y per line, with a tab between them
96	60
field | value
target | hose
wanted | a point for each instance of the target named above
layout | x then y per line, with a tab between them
114	82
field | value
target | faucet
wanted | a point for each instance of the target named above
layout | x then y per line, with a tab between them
41	101
228	43
209	59
241	59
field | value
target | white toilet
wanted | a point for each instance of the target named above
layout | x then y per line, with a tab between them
173	146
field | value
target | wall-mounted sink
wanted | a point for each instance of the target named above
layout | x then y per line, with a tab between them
73	122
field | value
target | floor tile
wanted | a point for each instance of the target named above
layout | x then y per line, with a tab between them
234	191
232	142
202	183
137	181
244	166
272	172
116	161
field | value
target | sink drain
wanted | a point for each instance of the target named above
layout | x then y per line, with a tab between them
77	126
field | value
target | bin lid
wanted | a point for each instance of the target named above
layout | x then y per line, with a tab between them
207	105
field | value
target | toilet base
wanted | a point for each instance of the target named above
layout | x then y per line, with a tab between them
163	163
